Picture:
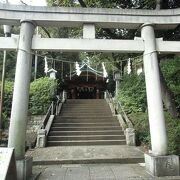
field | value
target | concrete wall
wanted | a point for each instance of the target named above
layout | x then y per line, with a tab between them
34	123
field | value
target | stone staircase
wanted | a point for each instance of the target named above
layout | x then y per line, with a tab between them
85	122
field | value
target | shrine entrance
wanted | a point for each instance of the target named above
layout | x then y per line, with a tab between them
90	84
147	21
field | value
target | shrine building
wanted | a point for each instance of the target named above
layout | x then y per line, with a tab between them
88	84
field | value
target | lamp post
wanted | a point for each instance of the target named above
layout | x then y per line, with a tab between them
7	33
158	4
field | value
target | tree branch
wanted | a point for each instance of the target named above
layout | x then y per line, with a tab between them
82	3
46	31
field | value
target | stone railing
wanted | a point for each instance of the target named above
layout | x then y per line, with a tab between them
54	109
123	119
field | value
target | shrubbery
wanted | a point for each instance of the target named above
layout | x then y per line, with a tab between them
133	93
42	93
8	94
173	130
171	72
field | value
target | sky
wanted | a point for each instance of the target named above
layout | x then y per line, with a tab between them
28	2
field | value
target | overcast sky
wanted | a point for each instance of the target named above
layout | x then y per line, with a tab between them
29	2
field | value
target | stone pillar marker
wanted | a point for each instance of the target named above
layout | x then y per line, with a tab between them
158	133
18	121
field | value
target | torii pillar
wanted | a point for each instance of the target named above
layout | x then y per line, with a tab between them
157	161
19	111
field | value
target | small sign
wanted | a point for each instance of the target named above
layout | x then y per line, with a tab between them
7	164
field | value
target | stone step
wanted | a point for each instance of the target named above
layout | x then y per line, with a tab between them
86	105
119	160
80	120
92	128
84	124
85	119
85	102
121	154
86	137
86	142
84	114
79	101
88	118
88	132
103	112
86	110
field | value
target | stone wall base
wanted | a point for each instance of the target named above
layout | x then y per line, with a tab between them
162	165
24	168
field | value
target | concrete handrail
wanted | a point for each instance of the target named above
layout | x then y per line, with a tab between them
54	109
46	118
49	123
124	115
129	130
124	121
109	99
117	109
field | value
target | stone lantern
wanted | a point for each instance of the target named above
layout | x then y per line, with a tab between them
117	78
52	73
7	30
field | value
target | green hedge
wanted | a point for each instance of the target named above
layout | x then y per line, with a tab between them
173	131
42	93
141	125
8	91
132	93
171	71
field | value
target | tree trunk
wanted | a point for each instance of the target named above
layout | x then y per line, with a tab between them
167	96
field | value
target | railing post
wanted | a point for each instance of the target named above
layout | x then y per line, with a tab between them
41	138
105	94
57	106
130	137
64	96
52	108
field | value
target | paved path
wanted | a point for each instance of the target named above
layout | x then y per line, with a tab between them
86	154
96	172
59	163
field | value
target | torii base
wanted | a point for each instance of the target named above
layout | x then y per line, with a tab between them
24	168
162	165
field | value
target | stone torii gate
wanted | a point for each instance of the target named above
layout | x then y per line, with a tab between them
158	161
